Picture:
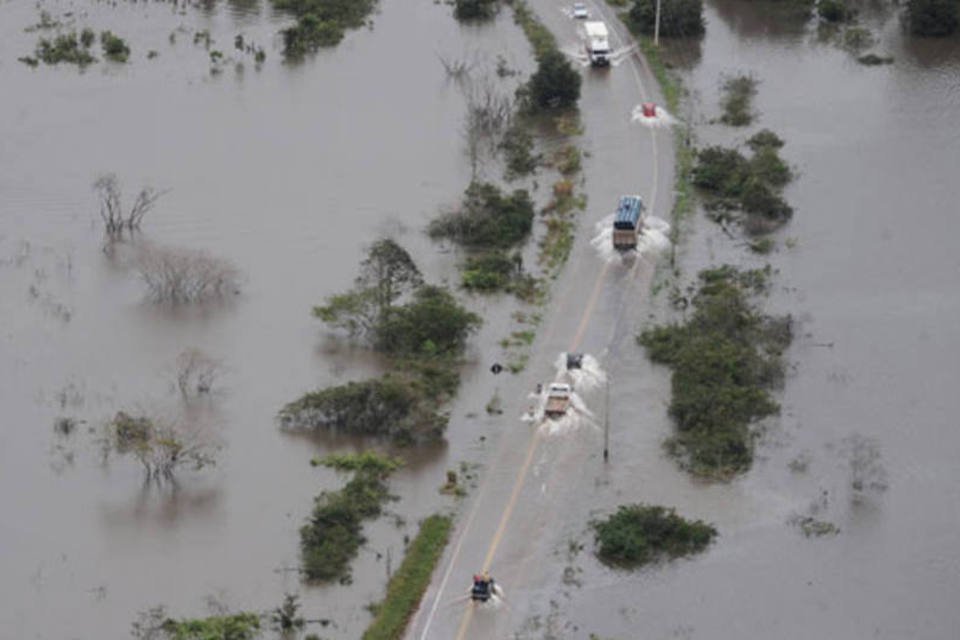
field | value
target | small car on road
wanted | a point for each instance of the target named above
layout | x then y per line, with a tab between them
580	11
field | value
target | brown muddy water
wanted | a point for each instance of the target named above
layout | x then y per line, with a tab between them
868	267
286	171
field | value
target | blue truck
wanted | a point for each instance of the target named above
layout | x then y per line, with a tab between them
627	223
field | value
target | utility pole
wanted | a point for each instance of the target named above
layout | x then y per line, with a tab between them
656	27
606	424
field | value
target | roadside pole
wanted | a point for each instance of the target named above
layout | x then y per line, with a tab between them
606	424
656	27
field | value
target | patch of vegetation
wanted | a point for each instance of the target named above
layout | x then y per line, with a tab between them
395	406
749	184
114	48
554	85
936	18
737	94
334	533
161	447
466	10
155	625
538	35
834	11
423	337
568	160
517	146
557	243
66	47
726	358
678	18
487	218
813	528
857	38
490	271
320	23
639	534
872	59
411	580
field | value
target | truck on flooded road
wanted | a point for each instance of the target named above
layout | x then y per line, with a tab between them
597	42
558	399
627	223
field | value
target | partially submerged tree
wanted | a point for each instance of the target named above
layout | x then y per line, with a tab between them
196	372
161	446
116	219
555	84
185	275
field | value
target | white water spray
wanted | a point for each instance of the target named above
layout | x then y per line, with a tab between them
653	237
660	119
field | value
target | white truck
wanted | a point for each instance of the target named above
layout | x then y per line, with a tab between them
597	42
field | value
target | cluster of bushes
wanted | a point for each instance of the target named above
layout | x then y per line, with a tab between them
834	11
936	18
238	626
751	185
423	337
475	9
678	18
487	218
737	94
725	359
75	49
408	584
334	532
320	23
638	534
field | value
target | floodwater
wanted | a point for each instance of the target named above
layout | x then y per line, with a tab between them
288	172
868	268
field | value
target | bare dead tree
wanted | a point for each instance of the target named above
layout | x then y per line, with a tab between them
115	219
196	372
489	114
457	69
184	275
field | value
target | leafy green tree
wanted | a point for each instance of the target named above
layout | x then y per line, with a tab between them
638	534
678	18
555	84
474	9
933	17
432	324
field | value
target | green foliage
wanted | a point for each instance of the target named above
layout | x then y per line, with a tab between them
320	23
309	34
749	184
568	160
432	324
487	218
725	358
334	533
834	11
764	139
87	38
411	580
367	462
238	626
475	9
114	48
937	18
66	47
491	271
541	39
720	171
737	94
517	147
392	406
678	18
554	85
638	534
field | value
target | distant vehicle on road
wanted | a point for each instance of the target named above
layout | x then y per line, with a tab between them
580	11
597	42
627	223
558	400
484	588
